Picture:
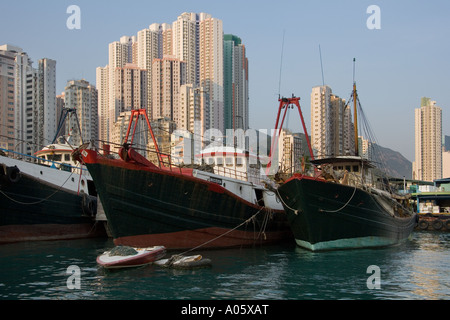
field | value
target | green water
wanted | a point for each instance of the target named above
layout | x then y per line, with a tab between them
416	269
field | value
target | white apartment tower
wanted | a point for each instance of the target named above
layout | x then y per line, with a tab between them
331	124
185	39
428	141
167	78
83	97
320	102
102	82
45	115
211	67
289	152
7	98
130	88
18	86
27	101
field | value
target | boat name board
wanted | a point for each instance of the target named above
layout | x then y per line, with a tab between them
215	180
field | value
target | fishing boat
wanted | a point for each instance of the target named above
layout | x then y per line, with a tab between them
158	203
126	257
45	197
342	204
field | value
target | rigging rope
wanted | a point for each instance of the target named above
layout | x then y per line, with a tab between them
224	234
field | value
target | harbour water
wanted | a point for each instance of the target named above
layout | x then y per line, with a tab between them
418	269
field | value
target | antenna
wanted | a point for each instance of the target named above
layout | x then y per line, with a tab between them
281	65
354	62
321	66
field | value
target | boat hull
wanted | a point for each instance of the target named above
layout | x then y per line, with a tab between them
148	206
327	216
33	209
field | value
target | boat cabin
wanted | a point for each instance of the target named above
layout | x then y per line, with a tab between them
231	162
58	156
351	170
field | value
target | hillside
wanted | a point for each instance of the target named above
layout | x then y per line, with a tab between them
397	165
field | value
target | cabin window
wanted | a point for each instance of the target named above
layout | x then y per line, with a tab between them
239	162
229	161
210	161
67	157
54	157
347	168
219	161
355	168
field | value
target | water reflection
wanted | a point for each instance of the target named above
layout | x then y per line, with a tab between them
417	269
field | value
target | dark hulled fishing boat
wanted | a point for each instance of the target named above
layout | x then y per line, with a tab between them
342	206
43	199
148	204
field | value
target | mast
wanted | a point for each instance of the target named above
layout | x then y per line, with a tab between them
354	110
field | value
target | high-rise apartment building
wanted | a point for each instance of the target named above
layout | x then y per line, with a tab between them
168	75
27	101
185	44
7	99
130	88
211	66
289	152
190	51
332	131
236	114
45	115
102	84
193	112
428	141
83	97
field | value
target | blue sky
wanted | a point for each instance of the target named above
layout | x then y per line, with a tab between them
406	59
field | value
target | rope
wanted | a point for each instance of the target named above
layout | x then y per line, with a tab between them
284	203
224	234
354	191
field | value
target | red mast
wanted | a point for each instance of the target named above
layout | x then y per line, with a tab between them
285	103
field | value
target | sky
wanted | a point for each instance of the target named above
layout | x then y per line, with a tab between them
405	59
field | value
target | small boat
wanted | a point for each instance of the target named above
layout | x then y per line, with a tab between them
181	262
126	257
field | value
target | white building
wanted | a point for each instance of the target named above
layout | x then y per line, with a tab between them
332	131
45	115
28	106
83	97
428	141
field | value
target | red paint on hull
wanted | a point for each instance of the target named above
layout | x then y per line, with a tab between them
205	238
36	232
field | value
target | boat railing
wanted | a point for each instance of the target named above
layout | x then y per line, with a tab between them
252	176
41	161
231	173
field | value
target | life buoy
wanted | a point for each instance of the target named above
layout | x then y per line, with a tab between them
423	224
89	205
13	174
437	224
447	224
